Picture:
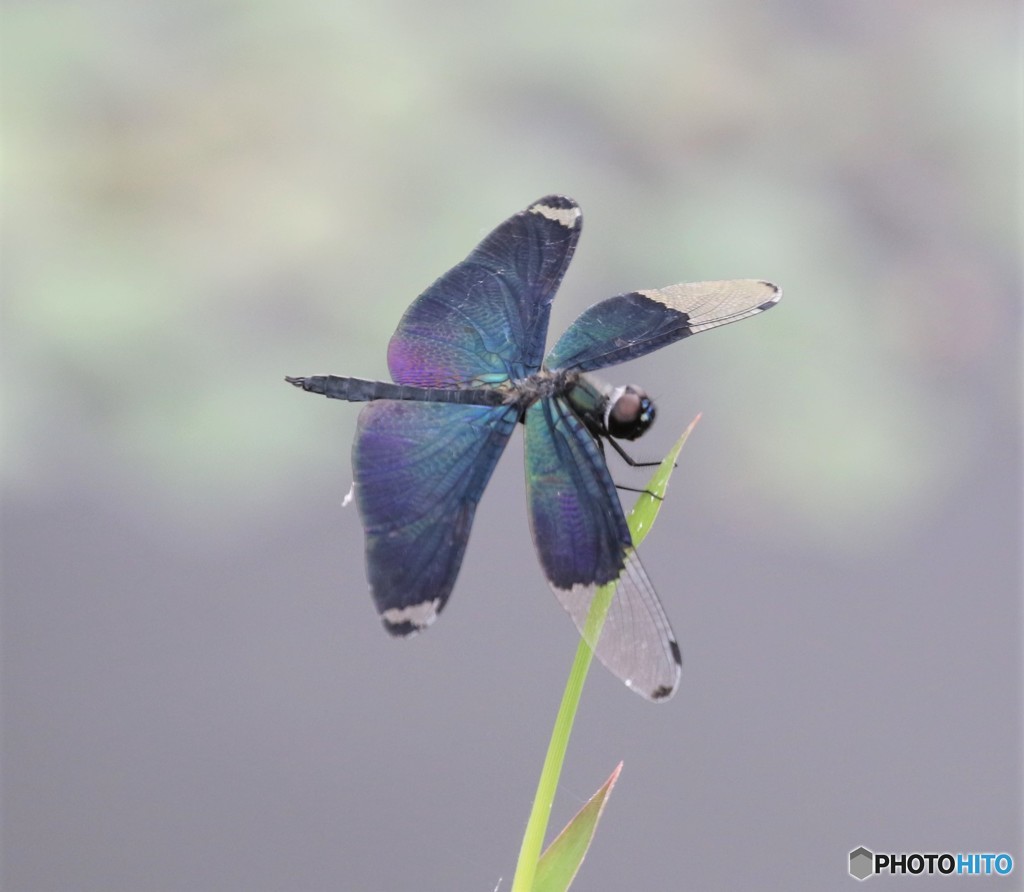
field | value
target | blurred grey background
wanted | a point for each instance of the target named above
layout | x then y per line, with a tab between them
202	197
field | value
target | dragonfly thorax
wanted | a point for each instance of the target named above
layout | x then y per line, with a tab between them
629	412
544	384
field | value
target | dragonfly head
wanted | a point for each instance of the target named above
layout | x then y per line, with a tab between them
629	413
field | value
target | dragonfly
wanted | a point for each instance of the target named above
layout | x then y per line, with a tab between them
468	366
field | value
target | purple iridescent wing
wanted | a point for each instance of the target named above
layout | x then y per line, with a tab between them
420	470
485	320
583	543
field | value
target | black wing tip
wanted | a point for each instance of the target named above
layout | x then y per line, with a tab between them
775	297
660	694
297	382
677	655
559	208
410	618
664	692
400	630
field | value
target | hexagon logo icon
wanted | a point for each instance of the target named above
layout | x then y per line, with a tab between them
862	863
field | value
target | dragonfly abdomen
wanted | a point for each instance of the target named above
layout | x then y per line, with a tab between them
359	390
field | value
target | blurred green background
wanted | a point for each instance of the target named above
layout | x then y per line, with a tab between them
200	198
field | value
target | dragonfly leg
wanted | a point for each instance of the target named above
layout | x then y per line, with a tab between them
633	464
653	495
629	460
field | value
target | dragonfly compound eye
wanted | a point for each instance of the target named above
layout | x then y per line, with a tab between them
630	413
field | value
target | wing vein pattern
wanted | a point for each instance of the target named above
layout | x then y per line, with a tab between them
420	470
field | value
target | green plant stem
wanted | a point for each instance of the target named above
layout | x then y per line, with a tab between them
537	825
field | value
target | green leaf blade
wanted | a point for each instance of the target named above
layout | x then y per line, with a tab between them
647	506
561	860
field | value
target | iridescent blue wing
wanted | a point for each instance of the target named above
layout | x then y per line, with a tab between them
634	324
420	470
486	319
583	542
